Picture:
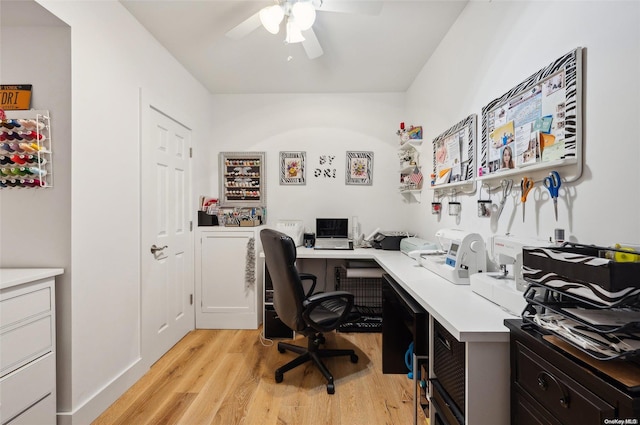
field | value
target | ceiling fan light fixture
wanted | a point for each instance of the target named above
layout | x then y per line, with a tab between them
271	17
293	32
304	13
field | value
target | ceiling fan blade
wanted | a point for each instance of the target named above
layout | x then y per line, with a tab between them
311	44
245	27
362	7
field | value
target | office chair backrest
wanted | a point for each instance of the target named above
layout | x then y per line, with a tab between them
288	293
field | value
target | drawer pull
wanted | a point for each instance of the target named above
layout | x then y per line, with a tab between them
444	341
542	383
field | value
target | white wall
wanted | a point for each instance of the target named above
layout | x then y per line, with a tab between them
35	224
112	57
494	46
319	124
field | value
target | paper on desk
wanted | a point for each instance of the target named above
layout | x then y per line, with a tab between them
606	317
359	272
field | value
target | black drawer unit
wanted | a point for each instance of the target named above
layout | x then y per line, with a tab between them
445	410
552	386
449	365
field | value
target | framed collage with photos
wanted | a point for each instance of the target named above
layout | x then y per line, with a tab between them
538	122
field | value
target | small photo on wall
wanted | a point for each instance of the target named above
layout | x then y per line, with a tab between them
292	168
359	168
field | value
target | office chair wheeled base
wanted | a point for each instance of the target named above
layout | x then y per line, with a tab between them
315	354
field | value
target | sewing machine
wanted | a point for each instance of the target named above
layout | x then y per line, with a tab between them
461	255
505	287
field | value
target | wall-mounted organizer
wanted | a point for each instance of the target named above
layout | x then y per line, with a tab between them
242	189
242	179
537	125
26	150
454	158
411	178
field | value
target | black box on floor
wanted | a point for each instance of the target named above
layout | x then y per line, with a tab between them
273	326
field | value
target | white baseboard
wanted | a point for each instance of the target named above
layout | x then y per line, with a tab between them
100	401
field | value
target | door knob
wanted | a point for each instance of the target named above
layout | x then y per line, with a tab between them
155	248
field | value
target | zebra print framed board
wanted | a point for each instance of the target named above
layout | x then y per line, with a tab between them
537	124
454	153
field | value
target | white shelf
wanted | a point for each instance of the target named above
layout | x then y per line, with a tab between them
409	194
454	185
528	169
408	150
410	144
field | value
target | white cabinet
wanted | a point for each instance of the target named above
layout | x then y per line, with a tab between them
228	278
27	346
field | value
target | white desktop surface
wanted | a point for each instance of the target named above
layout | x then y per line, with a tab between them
466	315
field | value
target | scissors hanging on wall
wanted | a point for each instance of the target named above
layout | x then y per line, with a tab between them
526	184
506	186
553	183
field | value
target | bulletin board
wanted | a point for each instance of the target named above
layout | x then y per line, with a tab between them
538	122
454	153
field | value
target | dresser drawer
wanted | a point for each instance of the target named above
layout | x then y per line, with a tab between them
23	304
24	343
564	398
42	413
27	386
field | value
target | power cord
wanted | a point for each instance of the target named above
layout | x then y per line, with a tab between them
266	342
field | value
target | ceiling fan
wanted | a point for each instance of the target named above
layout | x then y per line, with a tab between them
298	17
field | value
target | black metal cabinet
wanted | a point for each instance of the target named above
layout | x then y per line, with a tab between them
551	386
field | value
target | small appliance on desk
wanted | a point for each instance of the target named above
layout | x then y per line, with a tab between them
410	244
389	241
461	255
505	287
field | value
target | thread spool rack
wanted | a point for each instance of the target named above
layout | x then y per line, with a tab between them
26	150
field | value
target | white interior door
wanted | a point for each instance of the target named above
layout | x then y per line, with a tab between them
167	248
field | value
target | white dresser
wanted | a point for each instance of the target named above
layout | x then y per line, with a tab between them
28	346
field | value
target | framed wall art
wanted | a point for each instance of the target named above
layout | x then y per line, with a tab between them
292	168
359	169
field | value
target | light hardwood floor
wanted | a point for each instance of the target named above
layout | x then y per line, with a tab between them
226	377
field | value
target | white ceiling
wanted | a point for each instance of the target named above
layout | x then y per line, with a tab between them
381	52
362	53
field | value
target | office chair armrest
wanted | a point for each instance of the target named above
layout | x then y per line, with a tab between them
312	278
341	302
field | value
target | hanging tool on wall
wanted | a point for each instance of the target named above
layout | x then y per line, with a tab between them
526	184
506	185
553	183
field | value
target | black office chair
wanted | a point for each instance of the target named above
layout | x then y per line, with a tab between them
308	314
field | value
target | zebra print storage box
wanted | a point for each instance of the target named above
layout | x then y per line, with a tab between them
577	263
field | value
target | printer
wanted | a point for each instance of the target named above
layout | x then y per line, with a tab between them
461	254
389	241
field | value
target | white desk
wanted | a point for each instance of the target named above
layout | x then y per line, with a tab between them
467	316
